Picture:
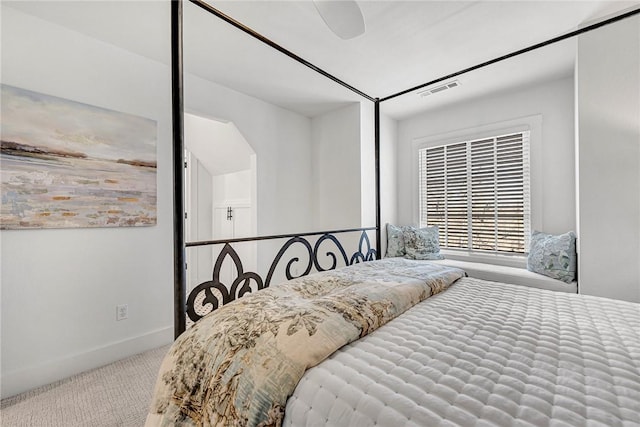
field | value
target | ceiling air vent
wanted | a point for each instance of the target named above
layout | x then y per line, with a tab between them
441	88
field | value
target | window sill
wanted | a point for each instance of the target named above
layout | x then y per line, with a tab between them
518	261
512	275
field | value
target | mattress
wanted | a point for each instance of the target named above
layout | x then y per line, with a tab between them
484	354
238	365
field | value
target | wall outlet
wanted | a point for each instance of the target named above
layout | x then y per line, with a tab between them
122	312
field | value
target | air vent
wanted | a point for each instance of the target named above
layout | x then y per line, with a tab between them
441	88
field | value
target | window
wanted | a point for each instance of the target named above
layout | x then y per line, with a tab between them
477	193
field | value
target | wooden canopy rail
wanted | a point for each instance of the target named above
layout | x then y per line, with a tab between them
178	136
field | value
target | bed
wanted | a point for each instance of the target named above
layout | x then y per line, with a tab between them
405	343
390	342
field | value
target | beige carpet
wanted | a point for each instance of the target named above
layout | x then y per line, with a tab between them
114	395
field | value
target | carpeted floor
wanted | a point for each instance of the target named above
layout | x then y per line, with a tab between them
114	395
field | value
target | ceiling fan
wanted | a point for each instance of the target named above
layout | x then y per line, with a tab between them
343	17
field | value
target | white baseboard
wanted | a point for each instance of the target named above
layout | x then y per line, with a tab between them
22	380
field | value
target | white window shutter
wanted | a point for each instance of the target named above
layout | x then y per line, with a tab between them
478	193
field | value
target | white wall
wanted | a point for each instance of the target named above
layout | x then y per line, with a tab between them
367	165
388	176
336	169
281	140
553	186
608	157
69	281
219	146
60	287
308	169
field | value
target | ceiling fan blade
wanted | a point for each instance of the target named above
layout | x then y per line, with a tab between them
343	17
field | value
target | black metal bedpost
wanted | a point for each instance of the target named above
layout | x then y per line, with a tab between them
177	97
377	151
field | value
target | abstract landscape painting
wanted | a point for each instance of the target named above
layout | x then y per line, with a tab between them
65	164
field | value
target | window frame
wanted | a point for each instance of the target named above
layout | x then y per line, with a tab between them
533	124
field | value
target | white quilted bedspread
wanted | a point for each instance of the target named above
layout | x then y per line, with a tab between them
484	354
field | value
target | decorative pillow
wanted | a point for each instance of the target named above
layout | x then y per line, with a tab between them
553	256
421	243
395	241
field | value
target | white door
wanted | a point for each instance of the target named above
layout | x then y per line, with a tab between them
222	225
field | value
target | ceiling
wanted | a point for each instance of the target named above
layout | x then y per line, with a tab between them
406	43
409	42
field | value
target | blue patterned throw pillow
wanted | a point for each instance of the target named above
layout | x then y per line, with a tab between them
395	241
422	243
553	256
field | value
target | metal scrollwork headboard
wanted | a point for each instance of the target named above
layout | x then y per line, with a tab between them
208	296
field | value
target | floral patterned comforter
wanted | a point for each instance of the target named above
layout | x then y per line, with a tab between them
238	365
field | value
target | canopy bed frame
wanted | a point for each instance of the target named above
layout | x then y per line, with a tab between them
390	342
185	305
